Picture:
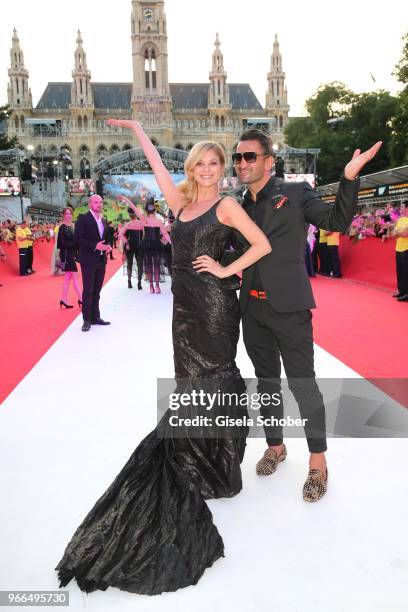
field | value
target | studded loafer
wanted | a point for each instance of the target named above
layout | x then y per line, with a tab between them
315	485
269	462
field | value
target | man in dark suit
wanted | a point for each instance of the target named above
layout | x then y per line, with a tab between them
91	236
276	296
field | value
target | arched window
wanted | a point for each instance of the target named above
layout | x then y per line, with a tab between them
17	87
281	121
80	123
113	149
150	69
83	150
16	123
277	88
217	122
222	122
127	147
101	150
85	123
85	168
155	142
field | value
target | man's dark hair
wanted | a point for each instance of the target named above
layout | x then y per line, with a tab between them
263	139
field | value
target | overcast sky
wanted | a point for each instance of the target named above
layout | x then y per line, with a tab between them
321	41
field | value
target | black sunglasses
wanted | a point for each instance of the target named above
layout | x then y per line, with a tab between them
249	156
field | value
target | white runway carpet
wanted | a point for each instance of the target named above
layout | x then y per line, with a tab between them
69	427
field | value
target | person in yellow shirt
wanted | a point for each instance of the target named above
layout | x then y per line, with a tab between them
333	242
401	252
30	250
22	244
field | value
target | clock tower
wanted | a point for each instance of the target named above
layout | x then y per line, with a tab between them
151	100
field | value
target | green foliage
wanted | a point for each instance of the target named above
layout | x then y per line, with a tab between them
341	121
401	69
399	138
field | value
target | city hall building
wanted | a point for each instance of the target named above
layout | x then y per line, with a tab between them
71	116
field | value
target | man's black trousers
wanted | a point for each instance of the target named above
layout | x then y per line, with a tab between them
402	272
92	281
269	335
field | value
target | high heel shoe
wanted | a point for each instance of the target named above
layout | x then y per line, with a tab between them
79	303
158	290
62	303
139	285
151	289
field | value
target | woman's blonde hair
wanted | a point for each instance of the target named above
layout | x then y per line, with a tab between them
188	188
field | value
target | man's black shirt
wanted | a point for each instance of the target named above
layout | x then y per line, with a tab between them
256	211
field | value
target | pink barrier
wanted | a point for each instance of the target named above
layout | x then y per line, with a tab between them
369	261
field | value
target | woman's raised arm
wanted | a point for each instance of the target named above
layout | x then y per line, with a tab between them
139	214
163	178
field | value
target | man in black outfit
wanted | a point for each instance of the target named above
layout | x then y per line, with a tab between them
276	295
91	236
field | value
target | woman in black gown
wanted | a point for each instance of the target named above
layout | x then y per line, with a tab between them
131	236
68	250
152	531
155	232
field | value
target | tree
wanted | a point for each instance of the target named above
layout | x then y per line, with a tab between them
322	129
399	138
401	69
370	119
5	141
341	121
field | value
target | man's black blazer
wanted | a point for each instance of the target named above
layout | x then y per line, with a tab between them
87	237
283	271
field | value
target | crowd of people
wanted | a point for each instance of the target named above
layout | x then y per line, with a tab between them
143	242
379	223
322	254
145	245
40	231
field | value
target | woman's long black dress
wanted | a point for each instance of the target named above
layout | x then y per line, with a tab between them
152	531
133	251
152	248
